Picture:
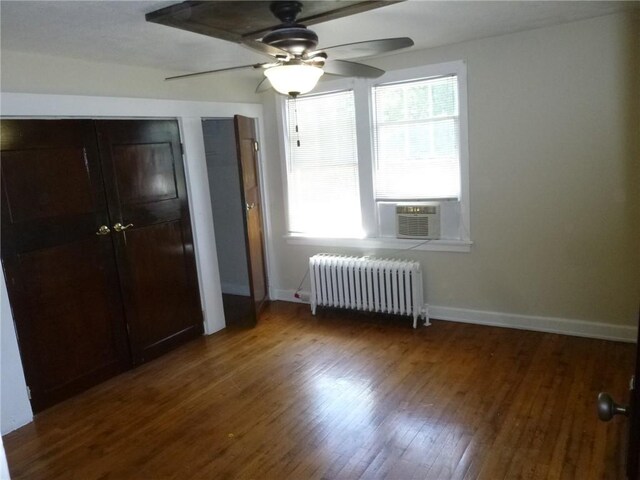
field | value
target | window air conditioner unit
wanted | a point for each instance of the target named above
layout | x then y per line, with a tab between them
420	221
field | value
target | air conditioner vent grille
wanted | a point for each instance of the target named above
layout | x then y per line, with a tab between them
418	221
413	226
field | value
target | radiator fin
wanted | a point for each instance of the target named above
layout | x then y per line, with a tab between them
364	283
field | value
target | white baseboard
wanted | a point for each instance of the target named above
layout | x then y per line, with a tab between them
563	326
287	295
235	289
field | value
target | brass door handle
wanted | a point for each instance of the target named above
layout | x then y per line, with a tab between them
103	230
118	227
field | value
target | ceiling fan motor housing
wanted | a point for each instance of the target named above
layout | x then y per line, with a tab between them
295	39
290	36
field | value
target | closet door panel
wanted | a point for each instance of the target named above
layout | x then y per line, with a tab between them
64	304
61	276
156	255
145	184
61	175
144	173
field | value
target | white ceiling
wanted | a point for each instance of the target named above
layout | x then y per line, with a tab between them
116	31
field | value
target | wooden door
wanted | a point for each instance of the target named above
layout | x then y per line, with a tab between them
633	453
61	277
146	192
246	148
608	408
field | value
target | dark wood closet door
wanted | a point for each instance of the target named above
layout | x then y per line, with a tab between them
61	277
608	409
633	448
146	191
246	148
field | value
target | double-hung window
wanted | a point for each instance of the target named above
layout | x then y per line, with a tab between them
415	127
322	166
357	148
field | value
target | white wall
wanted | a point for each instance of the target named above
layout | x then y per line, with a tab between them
31	73
4	467
189	115
226	205
554	177
15	409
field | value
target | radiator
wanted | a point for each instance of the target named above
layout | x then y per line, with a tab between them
365	283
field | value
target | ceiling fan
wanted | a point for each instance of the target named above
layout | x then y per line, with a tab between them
296	63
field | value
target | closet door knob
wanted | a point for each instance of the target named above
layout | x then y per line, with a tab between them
607	408
103	230
118	227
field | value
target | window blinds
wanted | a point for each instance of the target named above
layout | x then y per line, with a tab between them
416	140
322	166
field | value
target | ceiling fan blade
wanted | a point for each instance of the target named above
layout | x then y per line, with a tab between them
263	86
351	69
187	75
368	48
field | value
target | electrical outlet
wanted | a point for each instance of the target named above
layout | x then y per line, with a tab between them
302	296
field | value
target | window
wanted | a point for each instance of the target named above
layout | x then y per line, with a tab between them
323	194
357	147
416	139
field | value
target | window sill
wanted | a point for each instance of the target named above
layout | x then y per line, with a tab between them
383	243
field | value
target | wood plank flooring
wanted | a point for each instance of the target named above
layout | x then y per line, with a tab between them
343	396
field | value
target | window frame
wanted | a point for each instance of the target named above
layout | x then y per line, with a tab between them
364	110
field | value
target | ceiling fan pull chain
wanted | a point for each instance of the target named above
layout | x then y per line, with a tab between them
295	119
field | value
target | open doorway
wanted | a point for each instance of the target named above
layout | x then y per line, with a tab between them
231	154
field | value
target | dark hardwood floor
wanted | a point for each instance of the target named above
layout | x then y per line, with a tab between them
238	310
343	395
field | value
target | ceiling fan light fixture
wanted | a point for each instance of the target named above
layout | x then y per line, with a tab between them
295	79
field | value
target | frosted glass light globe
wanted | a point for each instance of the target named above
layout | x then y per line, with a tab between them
293	79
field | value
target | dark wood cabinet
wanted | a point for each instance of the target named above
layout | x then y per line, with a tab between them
91	299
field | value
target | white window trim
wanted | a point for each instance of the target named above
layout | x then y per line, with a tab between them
382	243
363	106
